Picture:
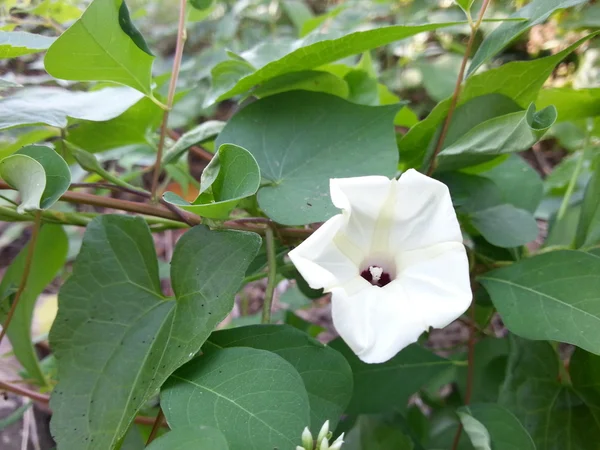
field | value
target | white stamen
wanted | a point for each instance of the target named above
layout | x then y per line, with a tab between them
376	273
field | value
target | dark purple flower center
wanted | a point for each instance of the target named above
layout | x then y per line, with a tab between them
376	276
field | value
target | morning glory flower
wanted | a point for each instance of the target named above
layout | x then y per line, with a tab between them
393	261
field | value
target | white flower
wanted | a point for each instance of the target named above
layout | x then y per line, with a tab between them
393	260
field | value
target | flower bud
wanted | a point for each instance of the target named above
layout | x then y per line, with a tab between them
337	445
324	444
324	431
307	439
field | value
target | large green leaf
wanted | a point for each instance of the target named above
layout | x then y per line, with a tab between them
508	133
103	45
132	127
196	135
557	416
269	60
256	398
326	374
187	438
520	81
18	43
385	387
53	106
571	104
588	229
537	299
231	175
535	12
49	257
39	174
503	428
117	339
302	139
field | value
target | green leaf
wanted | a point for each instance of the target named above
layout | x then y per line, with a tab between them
376	433
297	11
383	387
588	229
231	175
203	132
302	139
305	80
18	43
326	374
465	5
39	174
505	226
503	429
535	12
509	133
131	127
255	397
117	339
557	416
53	106
102	46
233	77
186	438
10	146
520	81
49	256
571	104
536	298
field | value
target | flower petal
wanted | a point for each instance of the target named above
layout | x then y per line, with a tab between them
375	322
362	200
436	280
320	261
424	214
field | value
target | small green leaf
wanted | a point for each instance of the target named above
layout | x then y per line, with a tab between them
53	106
505	226
17	43
537	300
49	256
302	139
117	339
231	175
509	133
305	80
326	374
201	4
465	5
535	12
97	48
235	76
491	426
255	397
588	229
203	132
187	438
39	174
556	416
384	387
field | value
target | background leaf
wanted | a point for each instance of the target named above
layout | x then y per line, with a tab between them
96	48
196	135
302	139
256	398
186	438
571	104
117	339
588	229
383	387
505	226
536	298
376	433
326	374
535	12
19	43
49	256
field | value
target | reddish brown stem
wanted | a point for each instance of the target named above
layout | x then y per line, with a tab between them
456	94
26	269
156	426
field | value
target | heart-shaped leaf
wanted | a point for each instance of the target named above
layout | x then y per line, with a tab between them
103	45
39	174
256	398
231	175
301	139
117	339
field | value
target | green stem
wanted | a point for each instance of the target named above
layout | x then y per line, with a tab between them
272	275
